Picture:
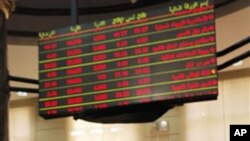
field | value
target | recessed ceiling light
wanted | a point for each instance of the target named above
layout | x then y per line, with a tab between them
114	130
133	1
238	63
162	125
22	93
77	133
97	131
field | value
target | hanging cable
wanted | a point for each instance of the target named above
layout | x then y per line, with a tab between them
21	89
24	80
234	60
234	47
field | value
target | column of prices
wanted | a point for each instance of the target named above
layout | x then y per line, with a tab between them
163	54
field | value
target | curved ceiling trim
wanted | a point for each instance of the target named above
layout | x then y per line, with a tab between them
96	10
85	11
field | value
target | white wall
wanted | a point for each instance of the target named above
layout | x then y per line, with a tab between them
81	130
22	121
26	125
210	121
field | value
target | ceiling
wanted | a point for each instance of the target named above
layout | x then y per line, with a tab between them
49	4
82	3
66	3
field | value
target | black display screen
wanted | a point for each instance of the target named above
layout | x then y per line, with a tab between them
161	54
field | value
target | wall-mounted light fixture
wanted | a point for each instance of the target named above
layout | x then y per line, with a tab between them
162	125
133	1
238	63
23	94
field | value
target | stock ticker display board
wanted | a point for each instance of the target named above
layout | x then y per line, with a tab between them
161	54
